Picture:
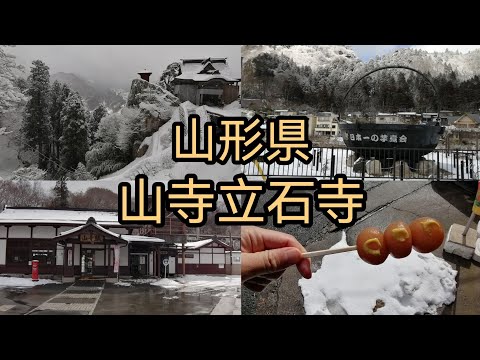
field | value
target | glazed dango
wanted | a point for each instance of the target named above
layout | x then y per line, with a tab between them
371	246
398	238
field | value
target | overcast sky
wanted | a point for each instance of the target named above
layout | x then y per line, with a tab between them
367	52
117	65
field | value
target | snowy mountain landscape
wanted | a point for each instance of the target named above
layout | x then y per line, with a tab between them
318	76
93	94
61	125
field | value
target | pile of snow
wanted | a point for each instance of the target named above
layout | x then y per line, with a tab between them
345	284
226	285
157	161
23	282
122	283
199	283
167	284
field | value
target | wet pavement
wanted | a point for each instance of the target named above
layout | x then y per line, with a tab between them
387	201
109	299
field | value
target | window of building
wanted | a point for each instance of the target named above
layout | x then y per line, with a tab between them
45	257
18	251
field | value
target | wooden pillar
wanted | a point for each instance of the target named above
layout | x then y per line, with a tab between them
109	268
159	262
105	265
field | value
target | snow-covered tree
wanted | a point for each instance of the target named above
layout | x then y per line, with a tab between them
56	105
74	141
29	173
131	132
36	125
81	173
61	194
105	156
99	113
10	84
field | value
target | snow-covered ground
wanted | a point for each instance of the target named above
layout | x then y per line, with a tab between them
23	282
157	162
222	285
345	284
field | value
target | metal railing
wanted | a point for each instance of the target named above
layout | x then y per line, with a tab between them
376	163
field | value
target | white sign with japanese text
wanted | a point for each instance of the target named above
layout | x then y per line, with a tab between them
116	261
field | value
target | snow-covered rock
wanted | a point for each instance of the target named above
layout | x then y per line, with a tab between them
156	161
156	104
345	284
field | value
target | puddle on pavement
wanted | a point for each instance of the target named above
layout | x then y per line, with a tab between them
150	300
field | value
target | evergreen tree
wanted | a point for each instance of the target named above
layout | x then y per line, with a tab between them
74	141
36	125
99	113
61	194
55	110
81	173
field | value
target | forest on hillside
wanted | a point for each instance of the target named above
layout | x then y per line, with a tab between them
59	137
282	82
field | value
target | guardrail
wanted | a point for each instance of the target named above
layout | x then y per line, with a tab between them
376	163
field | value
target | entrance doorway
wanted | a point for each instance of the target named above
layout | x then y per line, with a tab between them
87	261
138	264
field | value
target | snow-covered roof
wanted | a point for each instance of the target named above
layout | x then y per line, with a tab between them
144	72
205	69
195	244
127	238
192	245
79	228
204	77
474	117
138	238
48	216
408	113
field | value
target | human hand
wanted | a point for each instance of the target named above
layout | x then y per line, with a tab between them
266	254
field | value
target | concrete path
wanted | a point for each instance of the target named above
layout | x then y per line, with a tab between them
78	299
228	306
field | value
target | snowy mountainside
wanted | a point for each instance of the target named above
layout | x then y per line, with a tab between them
93	95
313	56
157	161
465	65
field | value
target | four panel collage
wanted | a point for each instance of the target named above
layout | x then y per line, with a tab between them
275	180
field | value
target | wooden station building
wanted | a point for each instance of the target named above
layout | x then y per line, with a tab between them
75	243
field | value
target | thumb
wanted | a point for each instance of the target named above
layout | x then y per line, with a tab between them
268	261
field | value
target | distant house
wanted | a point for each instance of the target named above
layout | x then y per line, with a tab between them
206	82
467	121
408	116
386	118
427	117
284	113
326	124
355	115
463	126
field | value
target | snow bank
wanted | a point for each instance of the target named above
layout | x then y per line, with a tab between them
167	284
226	285
23	282
345	284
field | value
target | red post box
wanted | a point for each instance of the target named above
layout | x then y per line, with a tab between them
34	270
